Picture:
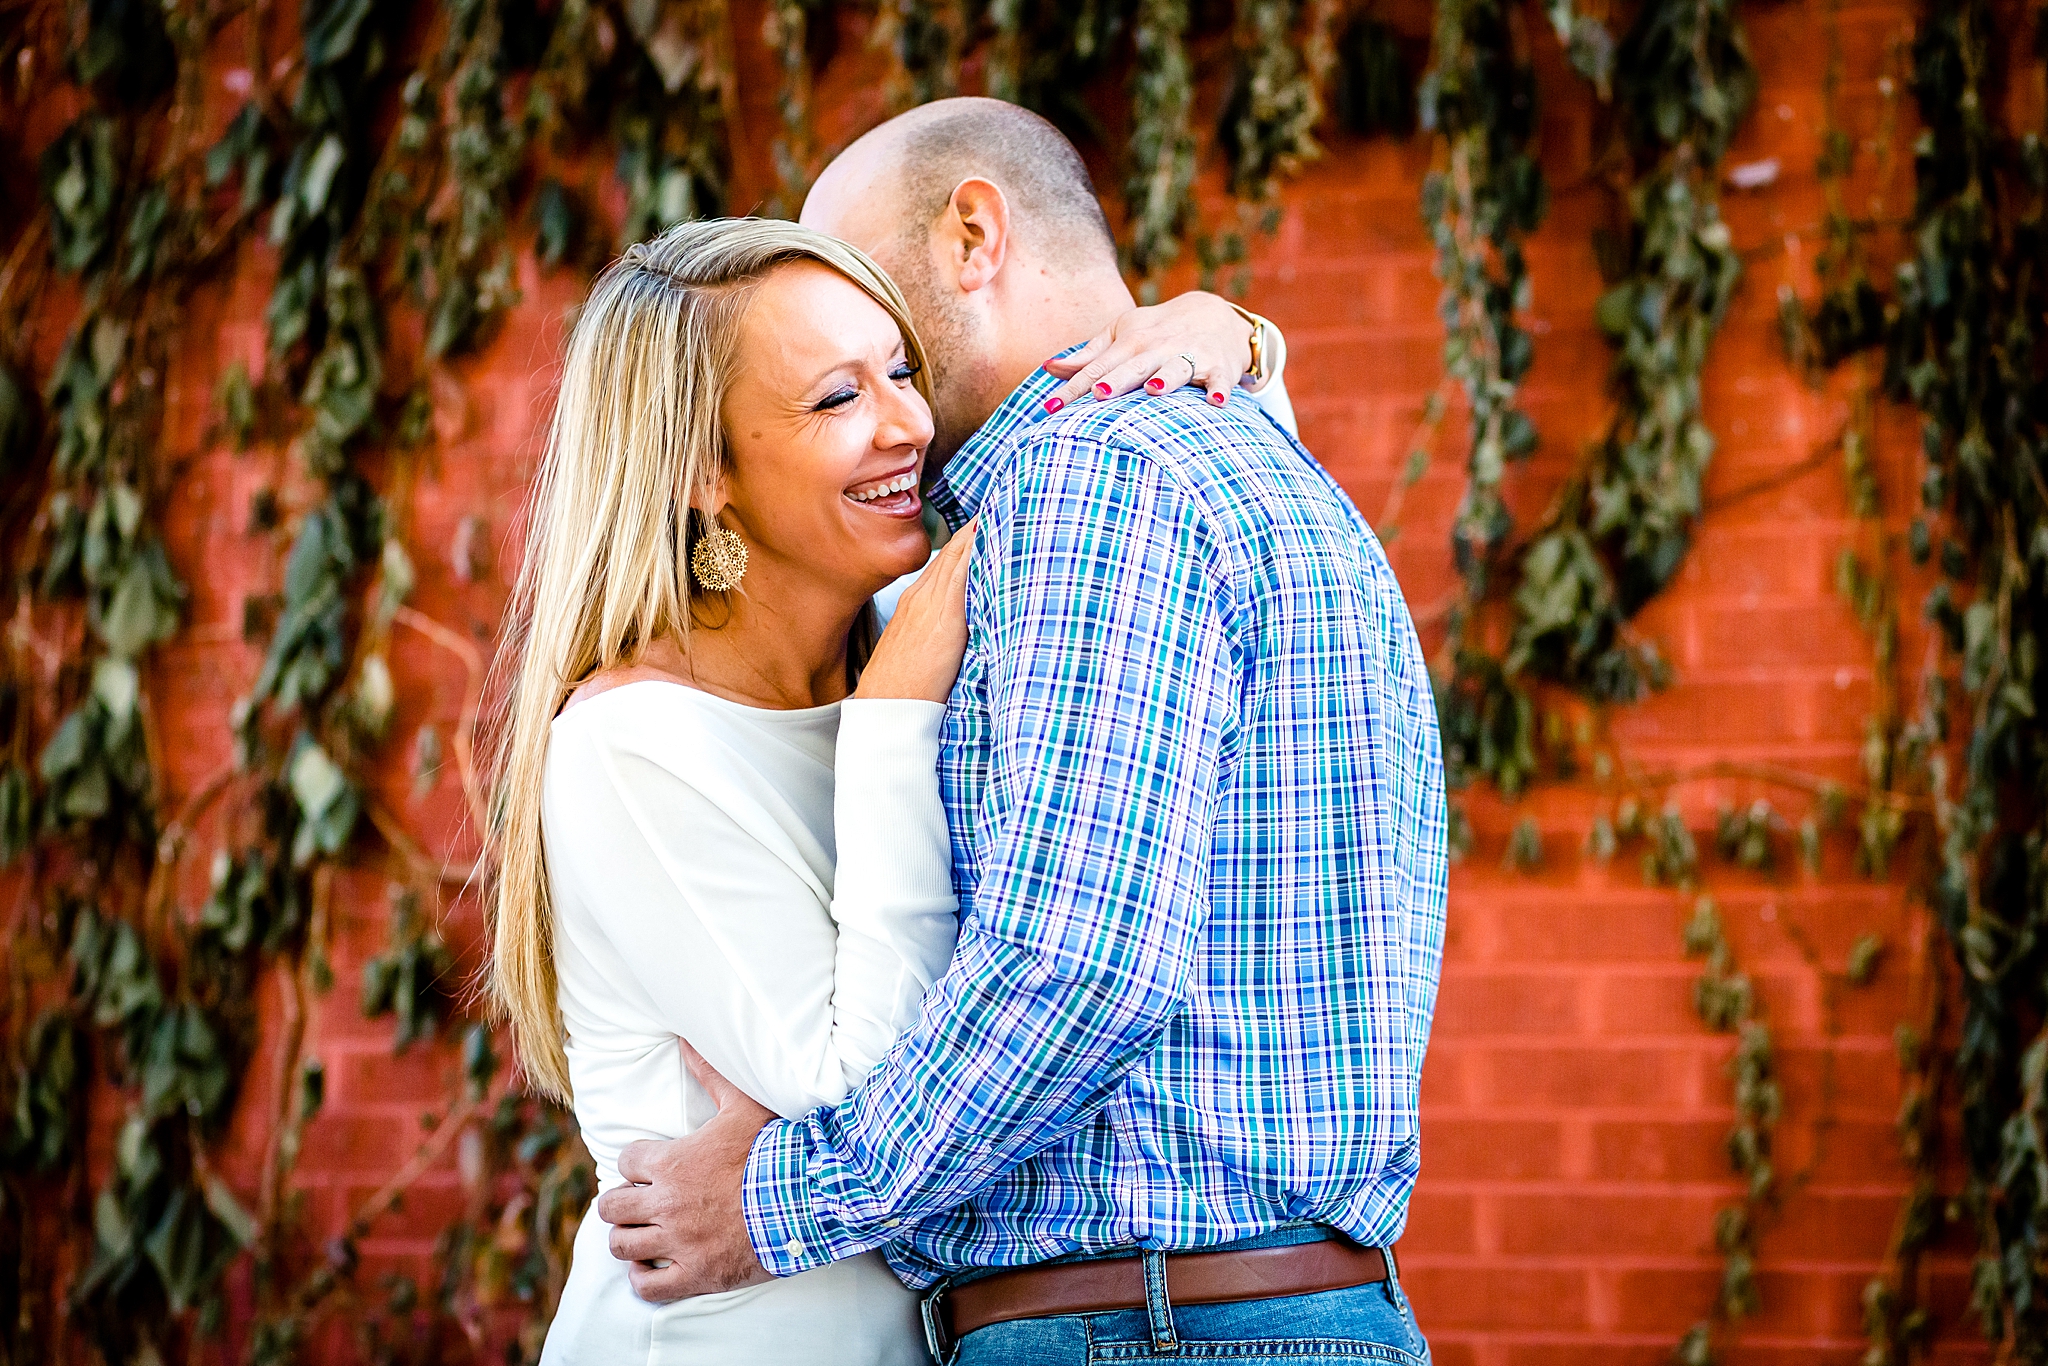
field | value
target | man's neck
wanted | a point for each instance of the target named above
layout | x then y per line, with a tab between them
1043	314
1037	316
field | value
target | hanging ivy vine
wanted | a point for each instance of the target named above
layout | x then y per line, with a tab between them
159	1001
1850	319
788	33
1480	201
1681	80
1622	526
149	1000
1269	122
928	38
1965	350
1158	187
1961	345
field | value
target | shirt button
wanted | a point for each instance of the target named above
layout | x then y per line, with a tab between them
794	1247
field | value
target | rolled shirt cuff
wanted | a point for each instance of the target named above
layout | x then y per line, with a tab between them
788	1234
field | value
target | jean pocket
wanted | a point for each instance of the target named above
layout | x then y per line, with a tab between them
1345	1327
1398	1297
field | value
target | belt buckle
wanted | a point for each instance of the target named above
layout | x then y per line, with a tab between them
934	1326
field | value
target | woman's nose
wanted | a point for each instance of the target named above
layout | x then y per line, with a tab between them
906	420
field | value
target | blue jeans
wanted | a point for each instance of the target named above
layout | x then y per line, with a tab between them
1365	1323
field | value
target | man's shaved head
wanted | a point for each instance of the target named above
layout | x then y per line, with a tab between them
984	215
908	168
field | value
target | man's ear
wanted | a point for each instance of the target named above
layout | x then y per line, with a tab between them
976	230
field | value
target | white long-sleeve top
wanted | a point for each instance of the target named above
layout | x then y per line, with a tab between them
709	885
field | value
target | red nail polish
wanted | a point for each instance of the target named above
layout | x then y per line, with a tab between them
1053	405
1219	399
1155	385
1102	391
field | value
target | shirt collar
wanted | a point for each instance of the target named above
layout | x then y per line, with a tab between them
958	491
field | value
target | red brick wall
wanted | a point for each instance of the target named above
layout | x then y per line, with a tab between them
1573	1106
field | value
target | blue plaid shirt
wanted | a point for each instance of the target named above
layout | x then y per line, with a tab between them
1196	794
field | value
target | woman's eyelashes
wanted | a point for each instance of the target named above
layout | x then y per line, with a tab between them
901	373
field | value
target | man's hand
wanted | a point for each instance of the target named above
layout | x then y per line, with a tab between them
683	1208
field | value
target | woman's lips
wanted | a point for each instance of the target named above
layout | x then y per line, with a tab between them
895	483
904	503
895	496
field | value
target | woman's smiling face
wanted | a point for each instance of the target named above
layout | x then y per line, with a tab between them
827	434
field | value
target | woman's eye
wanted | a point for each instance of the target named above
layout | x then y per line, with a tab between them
903	371
838	399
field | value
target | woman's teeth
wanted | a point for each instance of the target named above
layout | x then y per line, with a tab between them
882	490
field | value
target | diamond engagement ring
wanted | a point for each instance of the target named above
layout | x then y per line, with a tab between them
1191	363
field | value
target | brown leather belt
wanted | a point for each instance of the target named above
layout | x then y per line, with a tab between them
1104	1285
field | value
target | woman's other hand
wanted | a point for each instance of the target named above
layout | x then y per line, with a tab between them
1153	346
919	654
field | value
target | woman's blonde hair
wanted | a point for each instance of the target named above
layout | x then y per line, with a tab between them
636	432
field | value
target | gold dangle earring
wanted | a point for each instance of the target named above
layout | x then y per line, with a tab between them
719	560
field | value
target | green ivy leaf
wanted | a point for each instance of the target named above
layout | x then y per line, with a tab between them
142	607
409	980
1615	311
67	748
64	558
81	184
333	29
318	178
290	311
183	1068
312	1088
307	648
47	1094
555	216
328	803
238	404
145	227
89	759
190	1248
479	1058
246	145
117	976
1525	847
241	1225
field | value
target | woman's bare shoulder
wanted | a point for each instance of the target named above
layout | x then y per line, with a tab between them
605	680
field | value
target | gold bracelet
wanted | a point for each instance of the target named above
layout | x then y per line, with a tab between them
1257	373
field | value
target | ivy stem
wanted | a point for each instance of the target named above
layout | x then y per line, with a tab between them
424	868
1780	776
433	1150
464	738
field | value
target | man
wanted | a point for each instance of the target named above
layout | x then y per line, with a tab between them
1196	793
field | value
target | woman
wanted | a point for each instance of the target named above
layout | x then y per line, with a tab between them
731	477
